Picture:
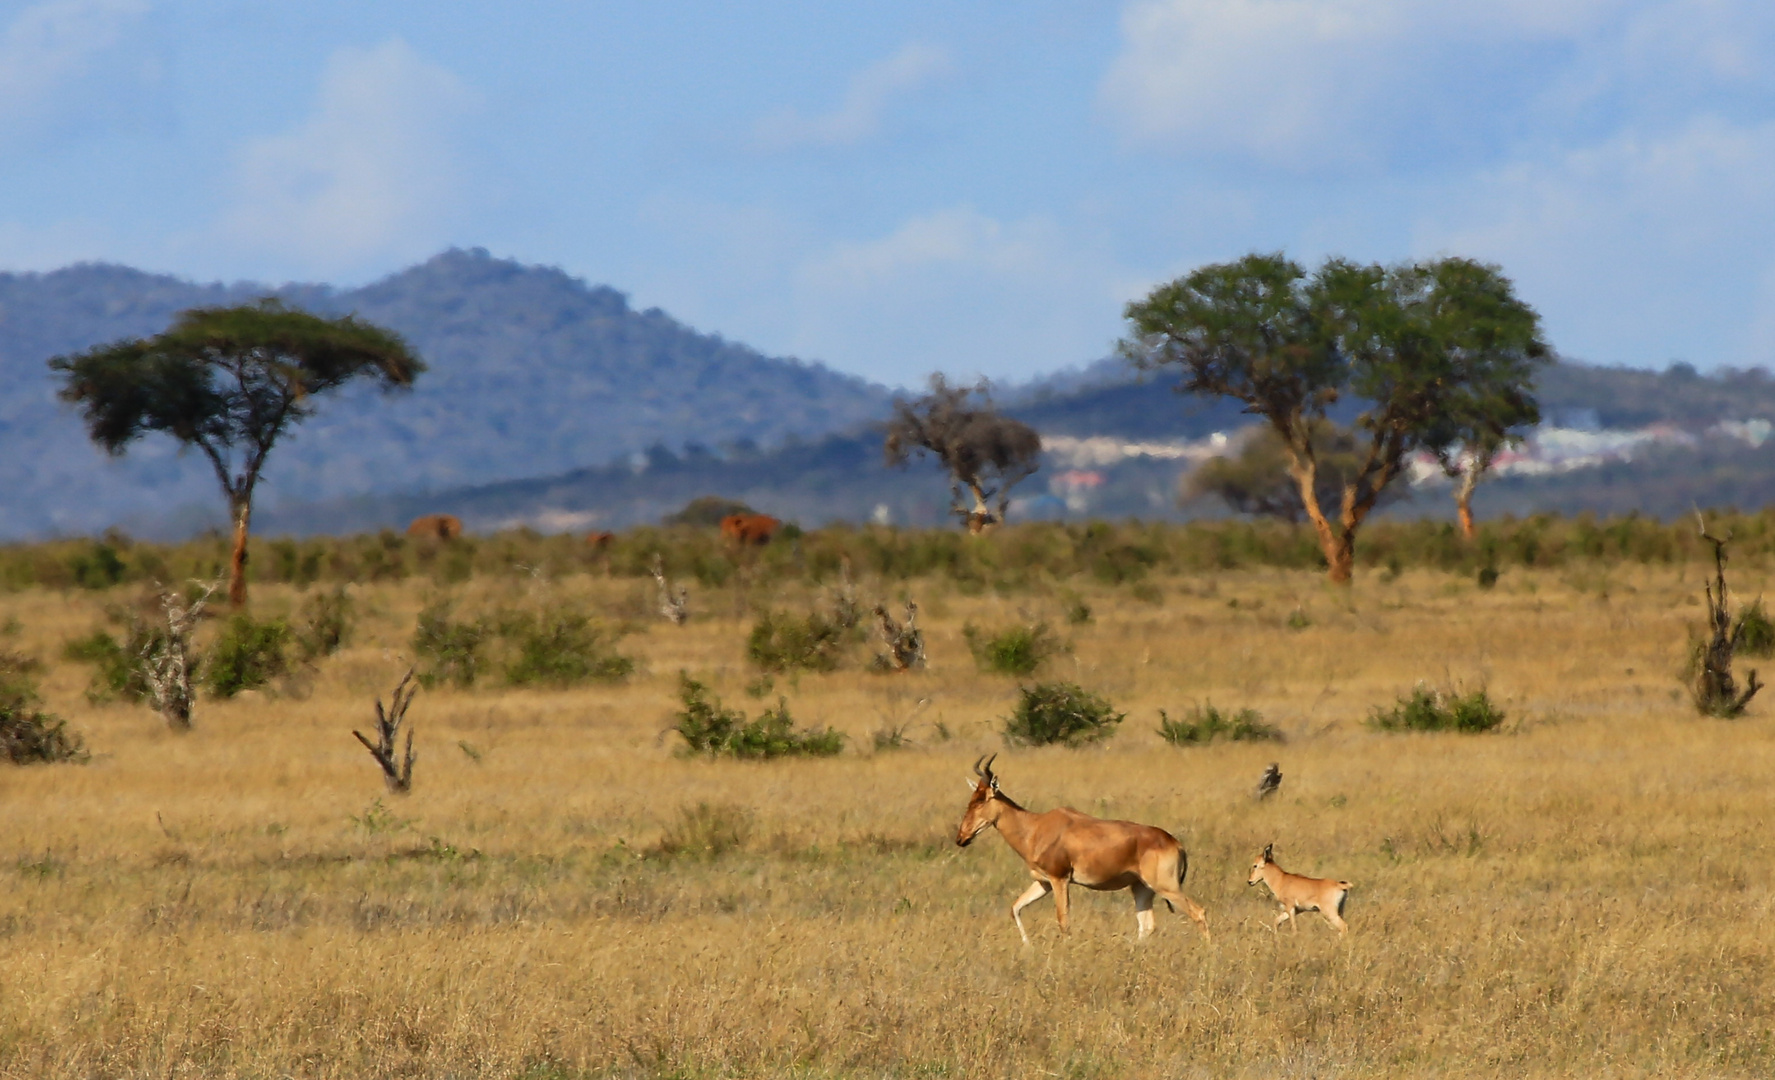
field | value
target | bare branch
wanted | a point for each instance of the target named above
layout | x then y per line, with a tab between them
672	605
398	775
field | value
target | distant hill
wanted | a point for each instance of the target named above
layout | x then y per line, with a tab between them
531	372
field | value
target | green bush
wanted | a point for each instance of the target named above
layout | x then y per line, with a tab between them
448	651
28	734
1015	650
710	728
248	655
1060	713
782	642
1755	631
1425	709
325	625
117	665
1205	723
562	648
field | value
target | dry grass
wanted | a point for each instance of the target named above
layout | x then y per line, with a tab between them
1586	894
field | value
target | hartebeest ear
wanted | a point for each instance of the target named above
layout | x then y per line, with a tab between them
1268	855
973	785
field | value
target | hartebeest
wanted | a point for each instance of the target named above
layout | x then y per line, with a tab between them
1062	847
1296	893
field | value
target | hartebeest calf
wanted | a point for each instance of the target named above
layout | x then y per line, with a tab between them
1063	847
1296	893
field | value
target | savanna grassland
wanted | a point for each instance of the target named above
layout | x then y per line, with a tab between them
1586	892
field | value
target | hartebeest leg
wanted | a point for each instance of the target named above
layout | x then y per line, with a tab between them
1334	919
1189	907
1030	895
1286	916
1143	908
1062	895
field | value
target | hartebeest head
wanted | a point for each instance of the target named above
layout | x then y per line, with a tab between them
1266	859
985	805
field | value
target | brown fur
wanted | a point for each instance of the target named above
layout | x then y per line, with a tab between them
748	529
1063	847
600	541
436	527
1297	893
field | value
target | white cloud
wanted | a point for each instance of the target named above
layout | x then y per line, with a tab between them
959	291
859	115
1314	84
1644	248
371	175
50	48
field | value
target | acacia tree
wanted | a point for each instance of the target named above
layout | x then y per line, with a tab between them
1439	352
1255	480
986	453
228	381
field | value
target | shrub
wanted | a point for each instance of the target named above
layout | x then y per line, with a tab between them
707	831
562	648
27	734
326	624
1064	713
248	655
1755	631
1016	650
118	673
781	642
1425	709
1205	723
448	651
710	728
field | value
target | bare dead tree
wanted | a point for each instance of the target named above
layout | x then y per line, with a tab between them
398	776
166	661
904	643
1270	782
986	453
1714	689
672	605
845	610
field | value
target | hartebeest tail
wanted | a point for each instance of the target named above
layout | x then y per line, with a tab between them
1063	847
1296	893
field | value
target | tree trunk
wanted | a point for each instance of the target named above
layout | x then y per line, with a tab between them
242	508
1339	552
980	518
1464	498
1341	558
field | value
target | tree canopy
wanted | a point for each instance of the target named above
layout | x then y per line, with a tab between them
1441	354
986	453
228	381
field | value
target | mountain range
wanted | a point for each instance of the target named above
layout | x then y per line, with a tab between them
530	372
552	403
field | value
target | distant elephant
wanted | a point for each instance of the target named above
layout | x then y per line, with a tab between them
749	529
436	527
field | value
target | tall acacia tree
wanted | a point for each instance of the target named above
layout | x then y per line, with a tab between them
228	381
985	452
1440	353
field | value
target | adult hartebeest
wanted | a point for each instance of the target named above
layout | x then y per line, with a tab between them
1062	847
436	527
747	530
1296	893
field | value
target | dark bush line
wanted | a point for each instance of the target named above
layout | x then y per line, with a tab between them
1019	555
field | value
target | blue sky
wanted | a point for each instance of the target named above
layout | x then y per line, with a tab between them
893	188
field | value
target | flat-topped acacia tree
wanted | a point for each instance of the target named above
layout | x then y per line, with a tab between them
228	381
1442	355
